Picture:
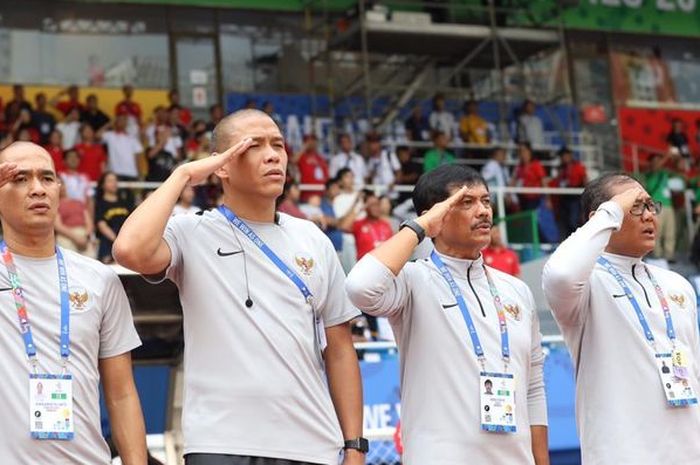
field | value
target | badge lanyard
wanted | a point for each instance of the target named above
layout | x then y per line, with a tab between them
21	306
461	303
298	282
670	332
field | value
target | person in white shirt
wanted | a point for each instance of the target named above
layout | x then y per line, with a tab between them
496	174
348	158
70	128
65	323
123	150
270	369
530	127
382	165
623	320
440	119
458	323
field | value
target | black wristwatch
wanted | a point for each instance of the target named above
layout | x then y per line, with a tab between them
360	444
415	227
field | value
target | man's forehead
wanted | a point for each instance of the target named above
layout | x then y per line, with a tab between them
620	187
474	190
27	157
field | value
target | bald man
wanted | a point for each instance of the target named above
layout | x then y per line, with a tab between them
65	323
271	375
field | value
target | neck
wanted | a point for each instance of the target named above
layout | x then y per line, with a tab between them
251	207
185	203
613	249
110	196
465	253
35	244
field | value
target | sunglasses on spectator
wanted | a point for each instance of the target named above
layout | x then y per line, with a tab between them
653	206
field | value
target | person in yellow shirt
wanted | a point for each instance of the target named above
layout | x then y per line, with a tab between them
473	128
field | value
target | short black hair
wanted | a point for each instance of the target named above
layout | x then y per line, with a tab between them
598	191
330	182
434	186
342	172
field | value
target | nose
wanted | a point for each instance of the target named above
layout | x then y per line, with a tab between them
272	156
36	187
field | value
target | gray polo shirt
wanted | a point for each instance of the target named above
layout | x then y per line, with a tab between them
253	383
101	326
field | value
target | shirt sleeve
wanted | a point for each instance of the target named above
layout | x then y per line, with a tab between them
374	289
394	162
117	332
536	395
174	236
337	308
138	148
566	275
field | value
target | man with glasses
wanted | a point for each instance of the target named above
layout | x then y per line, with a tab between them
625	323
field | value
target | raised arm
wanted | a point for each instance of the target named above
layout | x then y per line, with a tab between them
566	274
7	172
140	245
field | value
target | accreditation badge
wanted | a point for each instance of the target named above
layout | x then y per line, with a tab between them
497	394
675	380
51	407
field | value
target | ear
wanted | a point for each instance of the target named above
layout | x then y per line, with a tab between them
222	172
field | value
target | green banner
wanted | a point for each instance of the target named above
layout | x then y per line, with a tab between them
272	5
667	17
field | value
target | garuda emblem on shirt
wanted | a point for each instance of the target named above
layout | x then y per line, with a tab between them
513	311
678	299
78	298
305	264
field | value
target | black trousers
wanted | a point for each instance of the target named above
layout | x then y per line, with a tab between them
222	459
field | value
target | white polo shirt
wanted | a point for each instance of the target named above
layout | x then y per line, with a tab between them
122	149
440	408
101	326
253	383
621	408
352	161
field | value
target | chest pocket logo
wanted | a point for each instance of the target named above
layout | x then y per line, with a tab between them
304	263
79	299
513	310
678	299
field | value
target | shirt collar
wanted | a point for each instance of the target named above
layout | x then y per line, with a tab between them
459	266
622	262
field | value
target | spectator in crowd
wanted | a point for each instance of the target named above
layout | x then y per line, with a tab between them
269	109
160	118
529	173
332	231
216	114
572	173
42	119
74	226
386	208
347	204
250	104
25	135
312	166
382	164
77	184
348	158
185	204
123	150
201	147
70	127
178	133
497	255
24	124
409	172
111	211
495	172
55	149
66	105
656	184
14	107
417	126
438	155
94	116
161	161
184	115
441	119
93	158
530	128
677	138
191	145
473	129
130	108
288	202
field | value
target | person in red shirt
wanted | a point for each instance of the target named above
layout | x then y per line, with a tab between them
129	107
500	257
65	106
93	158
529	173
288	202
371	231
312	166
572	173
55	149
185	114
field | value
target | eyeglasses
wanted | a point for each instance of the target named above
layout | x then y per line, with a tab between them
654	206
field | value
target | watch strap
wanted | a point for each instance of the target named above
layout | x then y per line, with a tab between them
415	227
360	444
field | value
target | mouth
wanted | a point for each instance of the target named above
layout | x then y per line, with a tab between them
649	233
276	174
484	227
40	207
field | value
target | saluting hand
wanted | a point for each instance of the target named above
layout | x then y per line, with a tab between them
629	197
7	172
200	170
433	220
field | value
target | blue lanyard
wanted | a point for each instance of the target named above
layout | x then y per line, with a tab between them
637	308
462	304
21	305
250	234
